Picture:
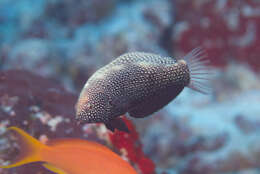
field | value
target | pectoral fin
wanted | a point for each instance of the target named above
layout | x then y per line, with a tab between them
117	123
54	169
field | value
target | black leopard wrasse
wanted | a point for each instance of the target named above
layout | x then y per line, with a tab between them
139	84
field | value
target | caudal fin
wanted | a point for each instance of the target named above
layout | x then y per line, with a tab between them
29	149
200	71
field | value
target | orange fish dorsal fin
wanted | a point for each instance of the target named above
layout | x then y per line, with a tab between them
30	148
54	169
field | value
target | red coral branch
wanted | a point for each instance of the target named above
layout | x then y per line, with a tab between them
131	144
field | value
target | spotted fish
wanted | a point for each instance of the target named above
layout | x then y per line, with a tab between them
139	84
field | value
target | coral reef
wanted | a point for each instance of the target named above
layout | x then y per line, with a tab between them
46	110
228	29
73	39
66	41
132	149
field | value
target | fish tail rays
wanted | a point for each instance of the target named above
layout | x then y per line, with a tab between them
29	149
201	74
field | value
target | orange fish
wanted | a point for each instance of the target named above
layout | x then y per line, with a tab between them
69	156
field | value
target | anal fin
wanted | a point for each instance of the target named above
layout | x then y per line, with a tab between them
54	169
117	123
155	102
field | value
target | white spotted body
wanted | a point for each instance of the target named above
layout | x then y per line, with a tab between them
138	83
